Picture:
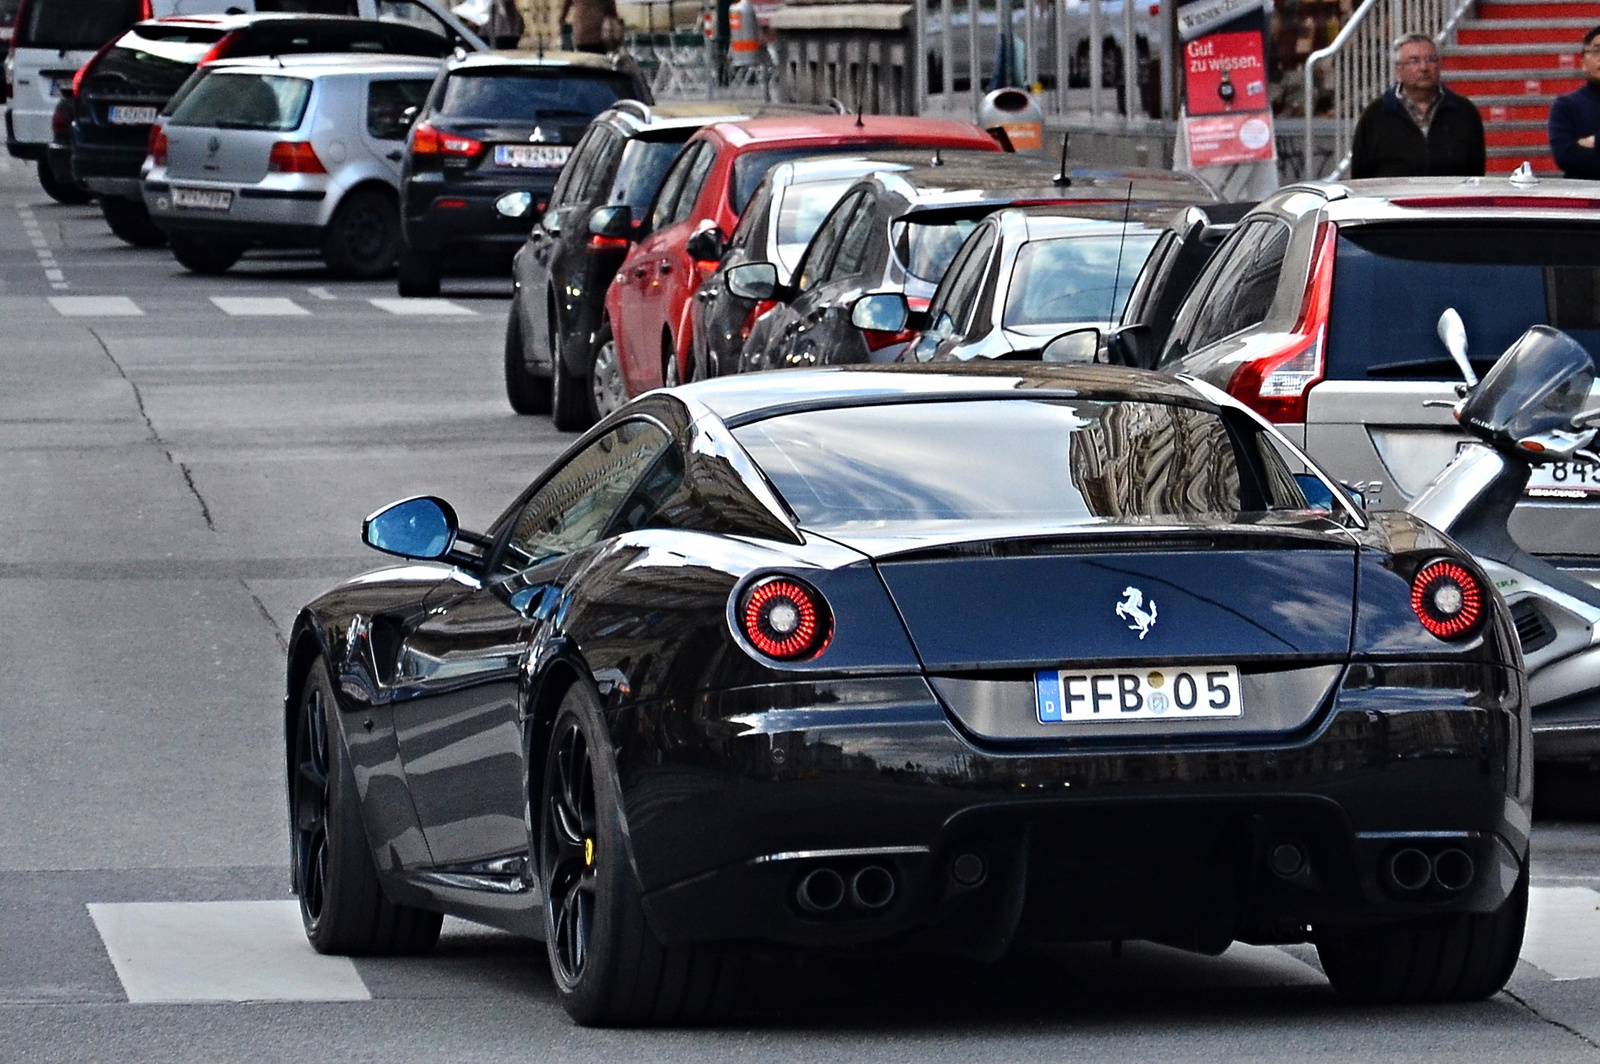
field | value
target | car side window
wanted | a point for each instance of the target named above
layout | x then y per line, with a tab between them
1241	293
693	183
963	293
672	186
754	219
387	104
814	267
575	507
592	173
852	253
574	173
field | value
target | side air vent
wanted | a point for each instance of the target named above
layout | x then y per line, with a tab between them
1534	630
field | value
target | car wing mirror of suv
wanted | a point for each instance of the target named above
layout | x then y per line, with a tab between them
613	222
1075	345
885	312
754	280
1133	346
705	245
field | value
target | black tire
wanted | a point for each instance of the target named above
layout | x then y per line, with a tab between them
130	222
203	256
363	239
569	405
66	192
342	904
1459	957
608	966
527	393
418	276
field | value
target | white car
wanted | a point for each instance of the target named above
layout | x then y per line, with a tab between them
52	39
290	152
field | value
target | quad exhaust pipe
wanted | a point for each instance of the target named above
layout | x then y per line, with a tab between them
825	890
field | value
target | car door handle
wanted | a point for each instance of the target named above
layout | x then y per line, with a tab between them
395	156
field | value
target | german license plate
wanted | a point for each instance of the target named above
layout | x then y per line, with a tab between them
1088	696
132	116
535	156
1565	480
202	199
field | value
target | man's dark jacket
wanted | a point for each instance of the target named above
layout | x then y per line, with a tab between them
1574	116
1388	144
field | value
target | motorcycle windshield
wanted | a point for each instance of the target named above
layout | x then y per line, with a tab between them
1537	385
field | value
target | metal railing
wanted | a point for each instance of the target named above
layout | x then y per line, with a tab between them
1362	68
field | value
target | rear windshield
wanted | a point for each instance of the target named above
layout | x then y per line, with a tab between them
925	248
298	38
1391	284
513	95
750	167
1057	462
800	214
643	167
244	101
1078	278
76	25
309	7
152	59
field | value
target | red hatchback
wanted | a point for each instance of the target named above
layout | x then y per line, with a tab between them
647	306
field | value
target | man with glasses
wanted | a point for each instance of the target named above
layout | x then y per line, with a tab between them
1575	118
1418	127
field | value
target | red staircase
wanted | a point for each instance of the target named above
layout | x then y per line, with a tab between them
1512	60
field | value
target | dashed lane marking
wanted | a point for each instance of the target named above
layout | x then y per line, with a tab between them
96	307
220	951
259	307
421	307
1563	936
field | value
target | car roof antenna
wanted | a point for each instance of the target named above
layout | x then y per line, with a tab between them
938	160
1063	178
860	107
1116	278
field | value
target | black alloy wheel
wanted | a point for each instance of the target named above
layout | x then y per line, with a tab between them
527	393
363	239
342	904
418	275
204	256
608	966
130	222
68	193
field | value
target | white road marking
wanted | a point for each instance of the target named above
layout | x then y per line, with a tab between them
436	307
220	951
259	306
1563	936
96	307
322	293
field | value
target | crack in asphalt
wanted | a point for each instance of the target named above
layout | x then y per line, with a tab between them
138	399
1573	1031
266	615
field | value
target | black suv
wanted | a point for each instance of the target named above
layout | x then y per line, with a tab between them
118	94
486	149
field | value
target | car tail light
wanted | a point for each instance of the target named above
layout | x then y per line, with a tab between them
608	243
1447	599
429	140
146	11
1518	203
221	48
158	146
83	71
1275	384
294	157
757	312
785	619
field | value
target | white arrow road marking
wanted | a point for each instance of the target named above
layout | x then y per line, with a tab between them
410	307
259	306
220	951
96	307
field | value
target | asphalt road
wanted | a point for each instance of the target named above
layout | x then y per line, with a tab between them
183	462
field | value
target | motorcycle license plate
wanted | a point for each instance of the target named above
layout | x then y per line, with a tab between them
1167	692
534	156
1565	480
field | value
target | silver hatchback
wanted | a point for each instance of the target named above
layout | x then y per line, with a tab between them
292	152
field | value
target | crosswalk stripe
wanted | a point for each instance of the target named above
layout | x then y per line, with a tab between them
95	306
419	307
259	307
220	951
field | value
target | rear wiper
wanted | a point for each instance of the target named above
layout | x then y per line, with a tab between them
1425	368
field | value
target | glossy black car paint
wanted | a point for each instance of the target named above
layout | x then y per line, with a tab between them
739	775
448	208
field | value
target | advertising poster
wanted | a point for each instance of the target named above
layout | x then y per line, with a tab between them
1227	114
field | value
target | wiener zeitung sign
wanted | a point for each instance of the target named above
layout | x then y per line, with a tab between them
1228	116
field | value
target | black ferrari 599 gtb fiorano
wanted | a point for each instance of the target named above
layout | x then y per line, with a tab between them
958	660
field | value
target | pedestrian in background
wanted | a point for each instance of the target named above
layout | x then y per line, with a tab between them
1418	127
596	27
1575	118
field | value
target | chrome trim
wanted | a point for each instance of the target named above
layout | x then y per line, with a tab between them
857	851
464	881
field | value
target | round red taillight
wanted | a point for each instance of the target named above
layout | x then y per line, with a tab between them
785	619
1448	600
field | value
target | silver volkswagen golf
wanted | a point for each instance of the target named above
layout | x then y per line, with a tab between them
291	152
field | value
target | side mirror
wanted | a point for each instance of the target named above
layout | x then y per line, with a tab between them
1453	332
881	312
612	221
706	245
1132	346
752	280
423	528
409	115
1078	345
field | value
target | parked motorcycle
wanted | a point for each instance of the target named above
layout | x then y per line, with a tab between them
1527	411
